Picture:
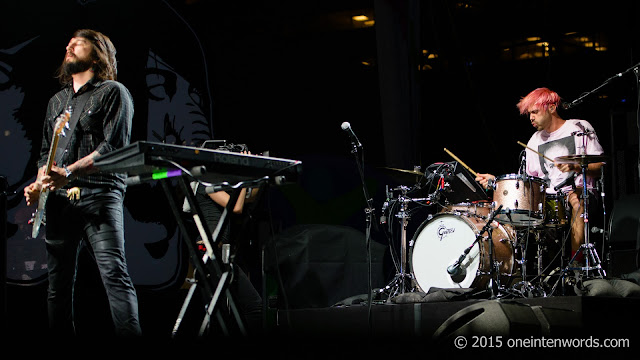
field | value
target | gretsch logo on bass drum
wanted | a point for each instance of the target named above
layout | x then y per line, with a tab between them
444	231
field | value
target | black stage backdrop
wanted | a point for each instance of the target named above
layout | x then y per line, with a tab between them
283	76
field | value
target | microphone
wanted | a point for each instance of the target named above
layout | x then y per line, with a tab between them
567	181
566	106
455	269
597	230
523	164
347	127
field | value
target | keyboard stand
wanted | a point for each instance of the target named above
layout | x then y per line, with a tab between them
214	275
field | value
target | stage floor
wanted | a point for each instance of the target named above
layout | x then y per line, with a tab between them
389	329
582	322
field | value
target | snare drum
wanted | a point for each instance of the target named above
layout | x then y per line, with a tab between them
441	240
522	198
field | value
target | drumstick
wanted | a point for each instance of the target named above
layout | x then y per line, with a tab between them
535	151
460	161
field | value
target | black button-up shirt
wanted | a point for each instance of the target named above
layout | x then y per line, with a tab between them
104	125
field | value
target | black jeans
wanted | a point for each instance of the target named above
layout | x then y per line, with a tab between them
98	219
248	301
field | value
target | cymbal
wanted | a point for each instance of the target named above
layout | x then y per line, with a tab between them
410	172
581	159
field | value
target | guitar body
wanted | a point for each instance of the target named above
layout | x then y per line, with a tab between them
38	219
39	215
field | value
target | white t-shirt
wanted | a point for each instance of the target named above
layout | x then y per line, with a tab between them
564	141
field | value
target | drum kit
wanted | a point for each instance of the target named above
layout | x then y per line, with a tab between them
472	241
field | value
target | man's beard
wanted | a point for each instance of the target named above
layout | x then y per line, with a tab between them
78	66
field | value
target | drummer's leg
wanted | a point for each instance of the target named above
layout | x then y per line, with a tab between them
577	224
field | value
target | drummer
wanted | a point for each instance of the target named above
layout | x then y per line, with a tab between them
558	137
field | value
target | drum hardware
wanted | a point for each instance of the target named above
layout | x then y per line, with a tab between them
457	183
592	261
538	285
402	281
460	161
524	287
455	269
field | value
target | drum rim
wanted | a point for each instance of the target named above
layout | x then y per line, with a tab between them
479	203
514	176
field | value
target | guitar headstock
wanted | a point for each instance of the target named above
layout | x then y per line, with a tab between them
62	122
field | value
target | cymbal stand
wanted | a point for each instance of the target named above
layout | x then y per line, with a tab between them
590	253
402	279
606	243
524	285
494	283
526	288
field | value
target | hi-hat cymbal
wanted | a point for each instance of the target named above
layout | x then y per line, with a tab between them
581	159
411	172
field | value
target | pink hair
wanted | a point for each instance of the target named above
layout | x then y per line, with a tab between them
541	97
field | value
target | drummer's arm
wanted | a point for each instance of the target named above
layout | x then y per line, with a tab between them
486	180
593	169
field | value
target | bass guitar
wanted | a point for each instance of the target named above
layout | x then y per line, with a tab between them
62	123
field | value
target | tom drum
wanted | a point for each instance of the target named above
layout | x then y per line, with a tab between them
522	199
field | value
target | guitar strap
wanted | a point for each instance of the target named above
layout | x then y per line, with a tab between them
73	120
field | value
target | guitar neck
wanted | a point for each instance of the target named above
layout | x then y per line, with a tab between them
52	154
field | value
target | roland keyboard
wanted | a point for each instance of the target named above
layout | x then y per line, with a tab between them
145	159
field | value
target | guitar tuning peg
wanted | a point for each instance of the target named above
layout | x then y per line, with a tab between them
67	125
62	133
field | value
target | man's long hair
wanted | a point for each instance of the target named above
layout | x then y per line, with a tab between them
103	53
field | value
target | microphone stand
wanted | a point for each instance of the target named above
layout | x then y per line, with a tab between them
369	211
606	241
486	228
636	70
579	100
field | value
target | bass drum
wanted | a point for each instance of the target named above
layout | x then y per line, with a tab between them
440	241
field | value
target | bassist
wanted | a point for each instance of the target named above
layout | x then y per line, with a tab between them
84	206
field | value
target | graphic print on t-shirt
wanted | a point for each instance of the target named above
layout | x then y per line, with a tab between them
553	149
